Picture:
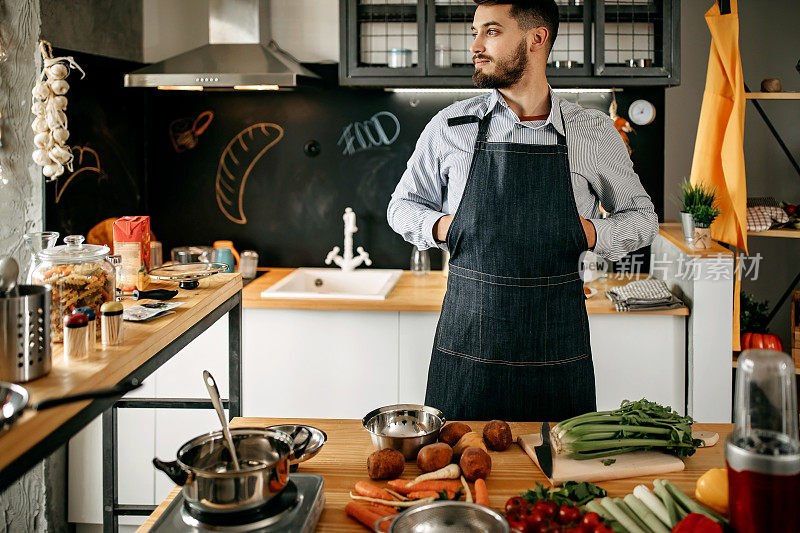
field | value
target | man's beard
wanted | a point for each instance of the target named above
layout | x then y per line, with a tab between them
507	72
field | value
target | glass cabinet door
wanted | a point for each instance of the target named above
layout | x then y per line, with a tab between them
386	37
635	37
572	52
450	37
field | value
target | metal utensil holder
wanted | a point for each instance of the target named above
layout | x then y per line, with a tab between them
25	334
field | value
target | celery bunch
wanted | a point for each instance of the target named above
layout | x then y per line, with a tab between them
640	425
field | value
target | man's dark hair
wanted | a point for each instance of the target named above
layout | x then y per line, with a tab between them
531	14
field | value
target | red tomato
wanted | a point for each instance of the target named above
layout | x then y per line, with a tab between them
548	508
568	515
574	529
590	520
535	518
601	528
757	341
517	522
516	503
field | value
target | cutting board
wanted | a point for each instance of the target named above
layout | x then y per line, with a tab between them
644	463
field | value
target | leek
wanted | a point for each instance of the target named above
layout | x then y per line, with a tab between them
647	516
640	425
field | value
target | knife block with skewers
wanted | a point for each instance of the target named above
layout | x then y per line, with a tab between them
625	465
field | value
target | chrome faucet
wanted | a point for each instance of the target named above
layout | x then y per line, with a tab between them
348	262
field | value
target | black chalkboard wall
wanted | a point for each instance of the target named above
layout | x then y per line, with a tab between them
293	203
107	141
160	154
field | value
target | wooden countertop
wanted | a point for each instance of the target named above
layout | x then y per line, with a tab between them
417	293
342	462
672	232
109	365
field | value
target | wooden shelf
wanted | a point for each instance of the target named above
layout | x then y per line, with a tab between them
772	96
781	232
736	363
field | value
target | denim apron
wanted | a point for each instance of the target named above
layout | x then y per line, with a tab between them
512	341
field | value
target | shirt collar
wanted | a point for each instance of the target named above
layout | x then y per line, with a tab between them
555	117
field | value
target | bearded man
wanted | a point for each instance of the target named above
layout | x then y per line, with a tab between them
523	173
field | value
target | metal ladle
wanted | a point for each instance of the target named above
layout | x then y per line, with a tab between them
213	391
9	270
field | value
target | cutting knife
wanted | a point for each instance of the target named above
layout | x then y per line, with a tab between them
155	294
544	452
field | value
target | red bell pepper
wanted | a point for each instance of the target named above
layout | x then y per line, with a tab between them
697	523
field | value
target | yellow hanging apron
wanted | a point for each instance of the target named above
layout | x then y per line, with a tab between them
719	149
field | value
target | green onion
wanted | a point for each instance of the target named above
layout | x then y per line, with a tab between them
691	505
640	425
595	507
610	505
645	514
653	503
624	506
675	511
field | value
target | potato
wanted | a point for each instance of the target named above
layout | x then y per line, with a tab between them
475	463
452	432
467	440
385	464
434	456
497	435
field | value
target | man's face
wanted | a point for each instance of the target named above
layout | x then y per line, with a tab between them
499	50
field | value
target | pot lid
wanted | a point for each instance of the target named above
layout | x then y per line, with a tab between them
74	251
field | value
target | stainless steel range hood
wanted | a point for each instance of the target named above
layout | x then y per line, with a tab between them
240	55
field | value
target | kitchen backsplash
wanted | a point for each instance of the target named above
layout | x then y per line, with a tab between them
271	171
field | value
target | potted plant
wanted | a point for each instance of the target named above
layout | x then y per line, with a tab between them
703	216
691	196
698	213
753	318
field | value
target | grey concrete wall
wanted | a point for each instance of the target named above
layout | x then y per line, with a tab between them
111	28
770	47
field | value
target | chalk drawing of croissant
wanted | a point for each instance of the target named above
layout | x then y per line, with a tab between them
236	163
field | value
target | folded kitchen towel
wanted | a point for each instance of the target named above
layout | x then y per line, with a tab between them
643	295
761	218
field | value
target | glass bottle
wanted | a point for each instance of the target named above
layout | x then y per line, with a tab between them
420	262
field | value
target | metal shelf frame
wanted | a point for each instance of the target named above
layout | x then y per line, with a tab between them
233	308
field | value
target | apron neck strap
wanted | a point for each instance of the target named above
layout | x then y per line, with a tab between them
562	139
483	127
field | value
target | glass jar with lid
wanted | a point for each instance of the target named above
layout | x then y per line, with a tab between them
79	275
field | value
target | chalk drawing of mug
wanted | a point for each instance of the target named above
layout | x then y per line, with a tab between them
183	132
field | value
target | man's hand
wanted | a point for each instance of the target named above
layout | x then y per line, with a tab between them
440	228
588	229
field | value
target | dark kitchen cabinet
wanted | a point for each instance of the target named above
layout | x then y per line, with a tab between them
425	43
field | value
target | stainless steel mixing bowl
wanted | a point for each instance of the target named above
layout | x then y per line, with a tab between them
441	517
404	427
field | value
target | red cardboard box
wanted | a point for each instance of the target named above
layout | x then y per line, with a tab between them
132	244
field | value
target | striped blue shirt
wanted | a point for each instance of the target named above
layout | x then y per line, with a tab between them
602	172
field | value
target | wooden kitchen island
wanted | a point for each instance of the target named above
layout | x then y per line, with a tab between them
342	462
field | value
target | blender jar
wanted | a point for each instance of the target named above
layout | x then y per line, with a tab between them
79	275
763	452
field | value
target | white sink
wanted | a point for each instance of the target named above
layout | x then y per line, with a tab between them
367	284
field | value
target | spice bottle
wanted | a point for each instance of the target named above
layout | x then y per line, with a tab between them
91	327
111	323
76	337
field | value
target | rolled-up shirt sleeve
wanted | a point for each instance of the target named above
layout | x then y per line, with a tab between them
633	222
416	202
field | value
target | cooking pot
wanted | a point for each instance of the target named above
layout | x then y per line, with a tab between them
205	470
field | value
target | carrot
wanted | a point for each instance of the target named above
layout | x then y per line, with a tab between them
481	492
401	485
368	489
419	494
365	515
384	510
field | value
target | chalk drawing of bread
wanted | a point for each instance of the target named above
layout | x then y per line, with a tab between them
236	163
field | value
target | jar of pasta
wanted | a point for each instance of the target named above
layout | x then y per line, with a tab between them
79	275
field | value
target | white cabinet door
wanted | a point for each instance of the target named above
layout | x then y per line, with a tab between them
415	342
639	356
320	364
